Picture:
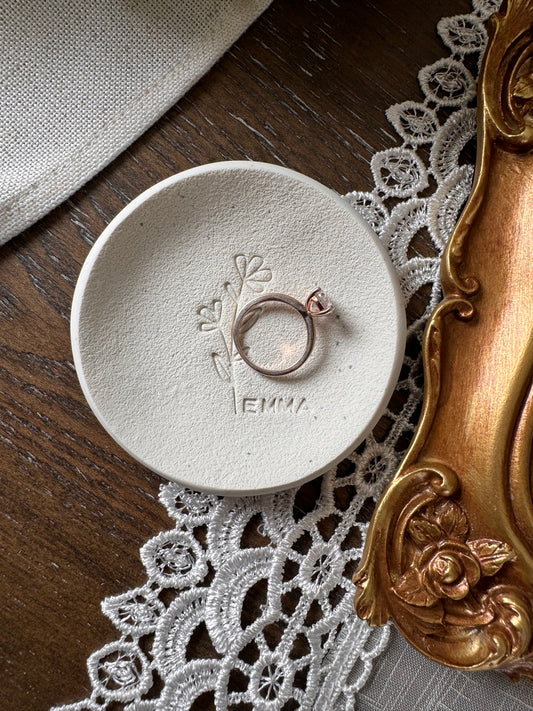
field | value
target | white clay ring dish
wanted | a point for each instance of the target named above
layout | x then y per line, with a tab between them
152	316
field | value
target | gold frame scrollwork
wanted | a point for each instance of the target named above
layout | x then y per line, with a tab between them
449	552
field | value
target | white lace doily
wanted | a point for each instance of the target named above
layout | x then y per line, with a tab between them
277	613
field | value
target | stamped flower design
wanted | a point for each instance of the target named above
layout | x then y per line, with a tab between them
218	317
446	565
252	273
210	316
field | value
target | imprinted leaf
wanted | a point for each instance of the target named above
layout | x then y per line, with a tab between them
222	367
240	263
230	289
254	264
249	319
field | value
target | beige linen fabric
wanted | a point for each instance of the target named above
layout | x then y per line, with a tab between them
79	81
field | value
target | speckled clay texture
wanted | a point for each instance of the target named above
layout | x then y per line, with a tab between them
152	316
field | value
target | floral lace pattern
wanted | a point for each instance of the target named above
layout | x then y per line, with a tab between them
265	582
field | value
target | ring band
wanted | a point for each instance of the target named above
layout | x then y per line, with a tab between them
316	304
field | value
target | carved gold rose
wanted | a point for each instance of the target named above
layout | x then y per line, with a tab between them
445	565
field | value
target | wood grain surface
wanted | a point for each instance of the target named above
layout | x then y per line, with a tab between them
306	87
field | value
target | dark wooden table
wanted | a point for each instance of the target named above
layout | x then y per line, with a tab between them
307	86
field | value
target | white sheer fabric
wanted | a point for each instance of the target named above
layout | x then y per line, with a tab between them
404	680
265	582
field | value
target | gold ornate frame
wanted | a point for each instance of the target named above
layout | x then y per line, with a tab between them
449	552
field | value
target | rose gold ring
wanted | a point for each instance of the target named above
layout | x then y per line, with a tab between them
316	304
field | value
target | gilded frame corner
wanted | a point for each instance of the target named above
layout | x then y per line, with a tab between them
449	552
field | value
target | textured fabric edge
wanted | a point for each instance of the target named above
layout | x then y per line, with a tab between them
57	184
